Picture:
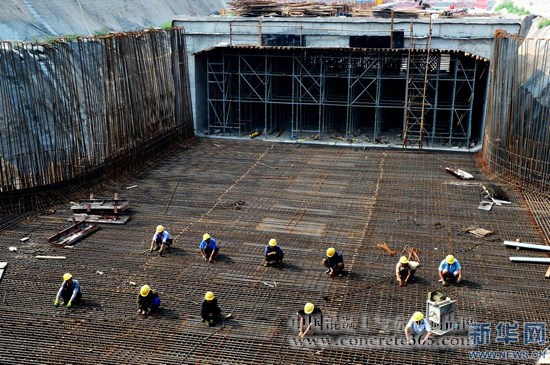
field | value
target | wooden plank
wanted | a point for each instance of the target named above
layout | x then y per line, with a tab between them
547	275
42	257
527	246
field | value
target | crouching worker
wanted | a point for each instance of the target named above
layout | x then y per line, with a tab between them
309	318
417	325
70	291
209	248
161	240
450	271
148	301
334	262
210	312
404	270
273	253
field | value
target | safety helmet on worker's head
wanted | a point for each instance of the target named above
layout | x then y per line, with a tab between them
273	242
144	291
205	236
404	260
67	276
331	251
417	316
450	259
308	308
160	228
209	295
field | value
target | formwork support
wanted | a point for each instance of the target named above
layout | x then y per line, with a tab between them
351	92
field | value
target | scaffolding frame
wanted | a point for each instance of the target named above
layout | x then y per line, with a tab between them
348	91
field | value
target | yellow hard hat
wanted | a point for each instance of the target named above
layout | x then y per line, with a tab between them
450	259
417	316
67	276
273	242
160	228
144	291
205	236
209	295
308	308
403	260
331	251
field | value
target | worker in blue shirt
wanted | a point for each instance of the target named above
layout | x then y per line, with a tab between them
418	325
208	248
70	291
148	301
273	253
162	239
450	271
334	262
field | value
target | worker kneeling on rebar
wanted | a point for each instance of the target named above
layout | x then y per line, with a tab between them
210	312
148	301
273	253
209	248
404	270
450	271
70	291
334	262
161	240
418	325
310	317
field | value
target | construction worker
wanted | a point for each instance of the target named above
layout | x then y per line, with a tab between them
208	247
70	291
310	316
273	253
148	301
210	312
418	325
450	271
162	239
404	270
334	262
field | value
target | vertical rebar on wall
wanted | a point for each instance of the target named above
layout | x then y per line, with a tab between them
517	137
71	108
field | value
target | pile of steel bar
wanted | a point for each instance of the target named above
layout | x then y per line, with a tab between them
307	197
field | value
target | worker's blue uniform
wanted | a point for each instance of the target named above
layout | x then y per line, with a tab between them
207	246
277	256
70	292
450	271
149	303
336	262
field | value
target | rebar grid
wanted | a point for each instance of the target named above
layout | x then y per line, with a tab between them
308	198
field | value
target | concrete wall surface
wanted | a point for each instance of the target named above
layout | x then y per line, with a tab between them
472	35
28	20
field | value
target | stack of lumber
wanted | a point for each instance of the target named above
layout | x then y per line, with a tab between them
290	9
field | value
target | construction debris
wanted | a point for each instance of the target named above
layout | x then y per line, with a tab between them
12	248
24	239
103	218
461	174
2	268
100	205
478	232
485	205
256	8
73	234
42	257
384	245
